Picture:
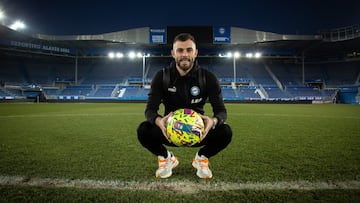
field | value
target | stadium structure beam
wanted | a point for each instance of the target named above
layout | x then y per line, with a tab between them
234	66
143	69
76	69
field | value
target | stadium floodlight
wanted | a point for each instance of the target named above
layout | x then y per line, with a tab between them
237	54
140	55
131	55
111	55
115	55
249	55
2	15
17	25
257	55
119	55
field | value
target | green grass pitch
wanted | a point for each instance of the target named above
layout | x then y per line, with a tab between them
272	143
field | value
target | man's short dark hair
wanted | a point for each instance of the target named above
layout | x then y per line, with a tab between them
183	37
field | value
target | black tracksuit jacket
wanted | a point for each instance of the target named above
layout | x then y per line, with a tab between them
185	92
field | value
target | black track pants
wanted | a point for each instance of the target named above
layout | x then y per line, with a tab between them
151	137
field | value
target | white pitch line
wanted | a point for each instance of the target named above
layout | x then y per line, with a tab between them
177	186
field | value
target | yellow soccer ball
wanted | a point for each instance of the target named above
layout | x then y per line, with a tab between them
185	127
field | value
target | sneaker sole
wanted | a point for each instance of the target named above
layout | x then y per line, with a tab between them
197	173
168	175
204	177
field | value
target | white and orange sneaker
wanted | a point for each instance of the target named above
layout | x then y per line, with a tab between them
166	165
201	163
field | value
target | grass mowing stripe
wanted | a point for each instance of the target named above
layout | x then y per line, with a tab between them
291	115
68	115
137	114
177	186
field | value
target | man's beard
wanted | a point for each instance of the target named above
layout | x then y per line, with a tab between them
185	64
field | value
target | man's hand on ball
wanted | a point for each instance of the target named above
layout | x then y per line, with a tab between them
209	123
161	123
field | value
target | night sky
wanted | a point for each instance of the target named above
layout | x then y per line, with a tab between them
75	17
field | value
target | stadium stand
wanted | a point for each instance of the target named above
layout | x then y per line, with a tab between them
323	74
